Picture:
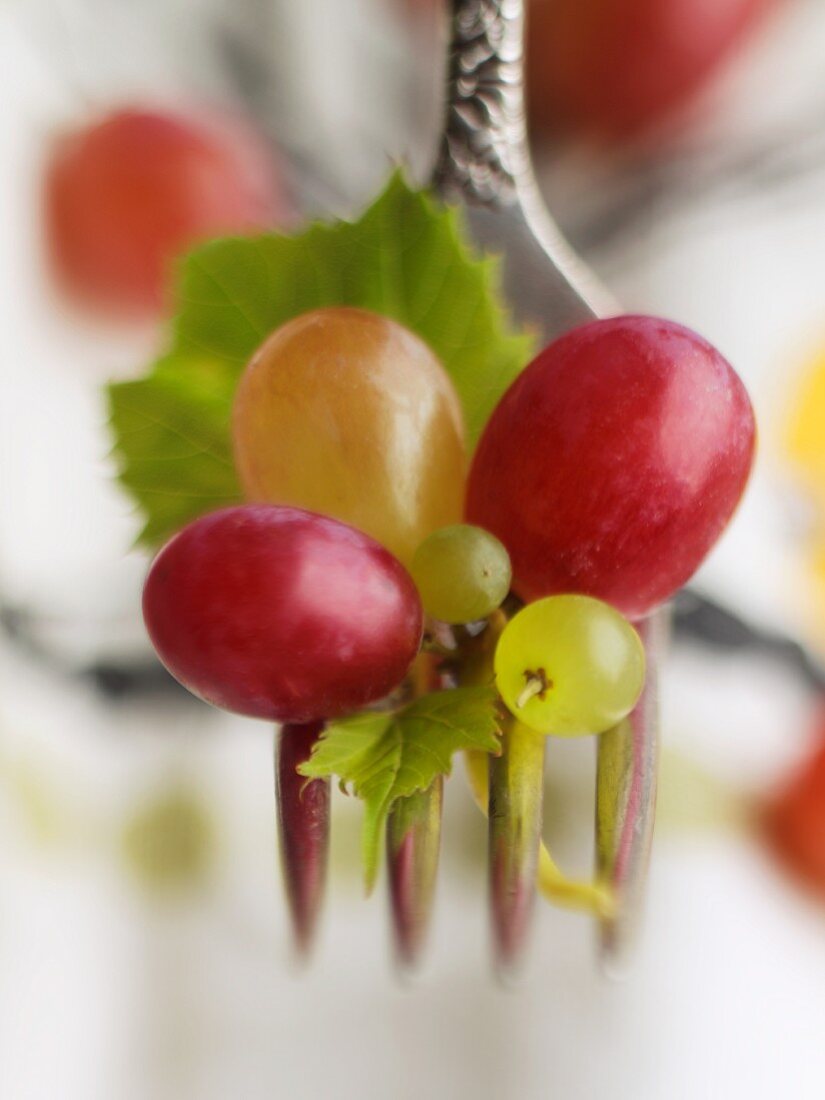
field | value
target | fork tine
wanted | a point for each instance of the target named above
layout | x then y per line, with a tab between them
515	819
625	806
413	843
413	840
303	831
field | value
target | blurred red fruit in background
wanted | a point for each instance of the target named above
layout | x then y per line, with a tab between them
793	821
616	67
129	192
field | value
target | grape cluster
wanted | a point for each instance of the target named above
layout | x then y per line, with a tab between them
604	476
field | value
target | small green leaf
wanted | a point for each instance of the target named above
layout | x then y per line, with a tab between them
407	257
392	755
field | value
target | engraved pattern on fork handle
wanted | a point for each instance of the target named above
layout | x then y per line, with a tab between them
483	153
484	161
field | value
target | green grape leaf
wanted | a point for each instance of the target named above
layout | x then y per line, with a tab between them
172	438
407	257
388	755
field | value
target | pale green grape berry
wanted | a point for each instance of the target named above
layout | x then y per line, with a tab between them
462	573
569	665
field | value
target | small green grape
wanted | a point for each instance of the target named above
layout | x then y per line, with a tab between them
569	665
462	572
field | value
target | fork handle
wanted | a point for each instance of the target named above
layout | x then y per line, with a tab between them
484	162
483	155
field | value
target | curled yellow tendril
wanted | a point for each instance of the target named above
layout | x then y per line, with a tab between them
592	897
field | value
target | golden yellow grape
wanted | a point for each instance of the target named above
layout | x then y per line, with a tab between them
347	413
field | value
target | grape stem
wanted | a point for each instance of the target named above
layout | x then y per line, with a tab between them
537	685
413	838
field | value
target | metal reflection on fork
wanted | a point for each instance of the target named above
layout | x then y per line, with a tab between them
484	166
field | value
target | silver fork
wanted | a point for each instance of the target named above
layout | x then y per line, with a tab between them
484	166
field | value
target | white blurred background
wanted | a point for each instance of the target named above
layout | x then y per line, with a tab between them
143	942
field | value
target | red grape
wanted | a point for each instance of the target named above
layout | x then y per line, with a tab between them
617	66
279	613
612	464
128	193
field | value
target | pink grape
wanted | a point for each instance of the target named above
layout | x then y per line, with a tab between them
613	463
275	612
128	193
